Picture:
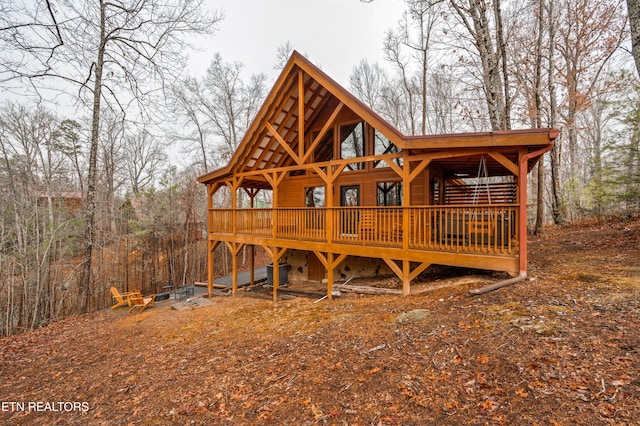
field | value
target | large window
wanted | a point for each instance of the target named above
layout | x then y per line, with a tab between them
389	193
352	144
381	146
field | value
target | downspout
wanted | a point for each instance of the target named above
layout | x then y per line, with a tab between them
522	183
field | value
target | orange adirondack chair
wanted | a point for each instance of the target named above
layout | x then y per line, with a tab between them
120	298
138	301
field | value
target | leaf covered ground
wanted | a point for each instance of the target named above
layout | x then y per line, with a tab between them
561	349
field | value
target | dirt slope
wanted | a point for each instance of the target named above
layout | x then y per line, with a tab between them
562	349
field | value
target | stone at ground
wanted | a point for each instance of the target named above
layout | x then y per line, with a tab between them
194	303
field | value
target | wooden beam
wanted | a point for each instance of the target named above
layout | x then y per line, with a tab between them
345	162
393	266
418	270
322	258
508	138
282	142
396	168
334	173
301	115
332	262
406	282
508	164
323	132
418	169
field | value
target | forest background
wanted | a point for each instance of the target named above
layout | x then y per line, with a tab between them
95	200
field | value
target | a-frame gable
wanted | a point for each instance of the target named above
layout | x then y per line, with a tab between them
278	138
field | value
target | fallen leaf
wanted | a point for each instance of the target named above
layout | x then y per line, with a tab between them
373	371
482	359
489	405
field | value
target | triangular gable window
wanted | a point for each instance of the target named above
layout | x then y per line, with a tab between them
382	145
353	143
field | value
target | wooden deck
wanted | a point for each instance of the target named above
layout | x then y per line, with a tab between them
479	236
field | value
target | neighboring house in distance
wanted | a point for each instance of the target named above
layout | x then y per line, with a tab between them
347	187
68	201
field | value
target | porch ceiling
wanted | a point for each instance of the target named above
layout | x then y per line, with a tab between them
265	150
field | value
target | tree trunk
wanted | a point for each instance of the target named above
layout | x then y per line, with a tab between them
633	6
556	199
502	47
537	230
90	197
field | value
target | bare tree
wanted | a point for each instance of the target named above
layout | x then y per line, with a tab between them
112	157
589	33
282	55
415	33
102	48
35	173
394	54
225	105
195	127
144	158
490	45
70	144
538	115
366	81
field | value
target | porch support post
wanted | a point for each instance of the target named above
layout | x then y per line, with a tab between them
211	264
234	248
275	253
330	262
274	179
234	273
405	273
233	186
406	202
252	250
252	260
329	177
276	277
408	176
522	200
211	245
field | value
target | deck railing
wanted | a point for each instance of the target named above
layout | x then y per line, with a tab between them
490	228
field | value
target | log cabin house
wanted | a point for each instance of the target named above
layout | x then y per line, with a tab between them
345	184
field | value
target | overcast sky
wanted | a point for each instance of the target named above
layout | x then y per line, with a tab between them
333	34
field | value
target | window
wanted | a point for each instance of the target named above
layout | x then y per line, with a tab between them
389	193
381	146
324	150
314	196
349	218
350	196
352	144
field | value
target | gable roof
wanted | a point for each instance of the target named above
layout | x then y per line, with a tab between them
260	148
272	139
